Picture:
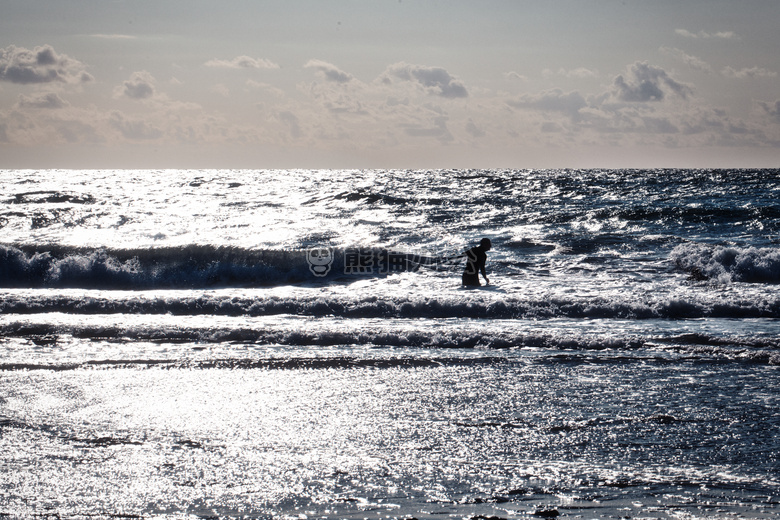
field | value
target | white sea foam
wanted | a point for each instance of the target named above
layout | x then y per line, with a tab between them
729	264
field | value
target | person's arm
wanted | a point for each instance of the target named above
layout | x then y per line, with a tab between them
482	268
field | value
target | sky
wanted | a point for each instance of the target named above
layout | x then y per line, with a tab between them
389	84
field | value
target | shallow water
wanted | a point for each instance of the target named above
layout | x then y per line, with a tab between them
333	434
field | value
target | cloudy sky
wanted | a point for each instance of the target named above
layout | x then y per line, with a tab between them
389	83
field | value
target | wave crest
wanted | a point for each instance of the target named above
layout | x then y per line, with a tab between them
728	264
194	266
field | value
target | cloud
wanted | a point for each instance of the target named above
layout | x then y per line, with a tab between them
44	125
580	72
330	71
336	98
113	36
221	89
552	101
473	130
550	127
75	131
435	80
515	76
754	72
701	65
771	109
40	65
139	86
646	83
724	35
658	125
626	115
46	101
345	105
266	87
290	121
438	129
133	129
692	61
243	62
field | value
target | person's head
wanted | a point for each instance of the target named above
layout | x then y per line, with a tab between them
485	244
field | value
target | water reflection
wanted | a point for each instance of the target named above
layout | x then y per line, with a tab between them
506	432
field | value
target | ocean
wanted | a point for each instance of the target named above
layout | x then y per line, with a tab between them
297	344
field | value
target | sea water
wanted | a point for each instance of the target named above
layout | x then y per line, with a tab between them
296	344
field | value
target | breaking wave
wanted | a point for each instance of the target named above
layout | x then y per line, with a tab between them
192	266
478	337
728	264
468	305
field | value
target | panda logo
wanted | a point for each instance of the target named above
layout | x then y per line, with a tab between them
320	259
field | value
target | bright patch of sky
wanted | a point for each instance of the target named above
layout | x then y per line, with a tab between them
389	83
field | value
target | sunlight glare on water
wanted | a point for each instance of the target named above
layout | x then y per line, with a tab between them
167	347
202	440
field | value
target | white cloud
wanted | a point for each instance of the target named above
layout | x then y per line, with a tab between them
633	113
692	61
113	36
45	100
554	100
646	83
77	131
291	123
345	105
658	125
133	129
436	128
339	98
435	80
580	72
141	85
724	35
473	130
266	87
771	109
221	89
163	102
329	71
48	125
550	127
515	76
242	62
753	72
40	65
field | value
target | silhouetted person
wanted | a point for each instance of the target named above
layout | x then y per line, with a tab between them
475	264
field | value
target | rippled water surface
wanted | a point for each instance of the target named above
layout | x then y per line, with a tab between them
168	350
463	434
